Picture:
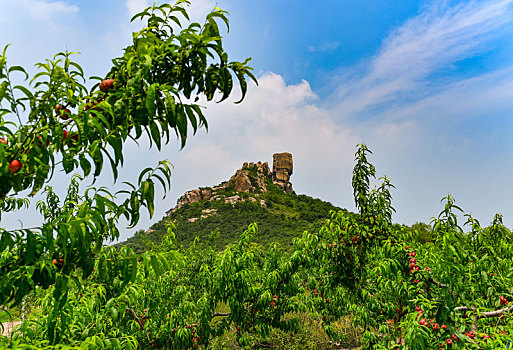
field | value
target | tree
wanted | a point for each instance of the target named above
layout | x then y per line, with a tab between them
54	122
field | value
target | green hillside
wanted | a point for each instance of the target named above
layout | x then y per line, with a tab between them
280	216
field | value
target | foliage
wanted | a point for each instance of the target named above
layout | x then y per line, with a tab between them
422	233
448	292
56	123
403	293
284	217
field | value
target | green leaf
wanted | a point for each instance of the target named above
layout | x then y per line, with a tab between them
3	89
150	101
155	265
226	83
84	164
31	247
117	145
220	15
176	20
243	84
37	75
77	66
171	115
129	65
61	287
155	134
199	113
165	264
147	195
97	156
145	171
162	182
192	117
181	123
97	126
18	69
24	90
140	14
113	165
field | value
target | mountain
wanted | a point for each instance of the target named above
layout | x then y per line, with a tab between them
254	194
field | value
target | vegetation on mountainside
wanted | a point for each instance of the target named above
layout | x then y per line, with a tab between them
284	217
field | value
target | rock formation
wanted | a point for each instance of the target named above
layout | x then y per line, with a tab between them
282	169
189	197
242	181
243	176
194	196
251	179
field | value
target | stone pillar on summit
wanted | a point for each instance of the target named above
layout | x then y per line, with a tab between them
282	169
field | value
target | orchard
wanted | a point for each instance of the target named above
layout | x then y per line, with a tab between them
445	288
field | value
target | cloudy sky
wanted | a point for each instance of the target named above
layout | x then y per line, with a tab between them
427	85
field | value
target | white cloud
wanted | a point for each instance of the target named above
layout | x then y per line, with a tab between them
438	38
200	8
435	39
48	12
399	112
31	20
386	101
474	97
392	132
326	47
38	29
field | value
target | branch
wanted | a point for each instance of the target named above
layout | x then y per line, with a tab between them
476	316
485	314
132	312
440	284
260	345
221	314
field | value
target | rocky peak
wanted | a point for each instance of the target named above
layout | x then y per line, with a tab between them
251	178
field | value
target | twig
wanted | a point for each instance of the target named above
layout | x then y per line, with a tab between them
132	312
221	314
440	284
260	345
485	314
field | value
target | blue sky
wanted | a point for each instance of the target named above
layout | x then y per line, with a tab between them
427	85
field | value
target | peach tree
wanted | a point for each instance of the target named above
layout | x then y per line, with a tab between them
453	292
192	297
53	122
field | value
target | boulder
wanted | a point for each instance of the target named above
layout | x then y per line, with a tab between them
242	181
206	193
232	200
189	197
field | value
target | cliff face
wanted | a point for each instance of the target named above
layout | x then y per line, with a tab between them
251	179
